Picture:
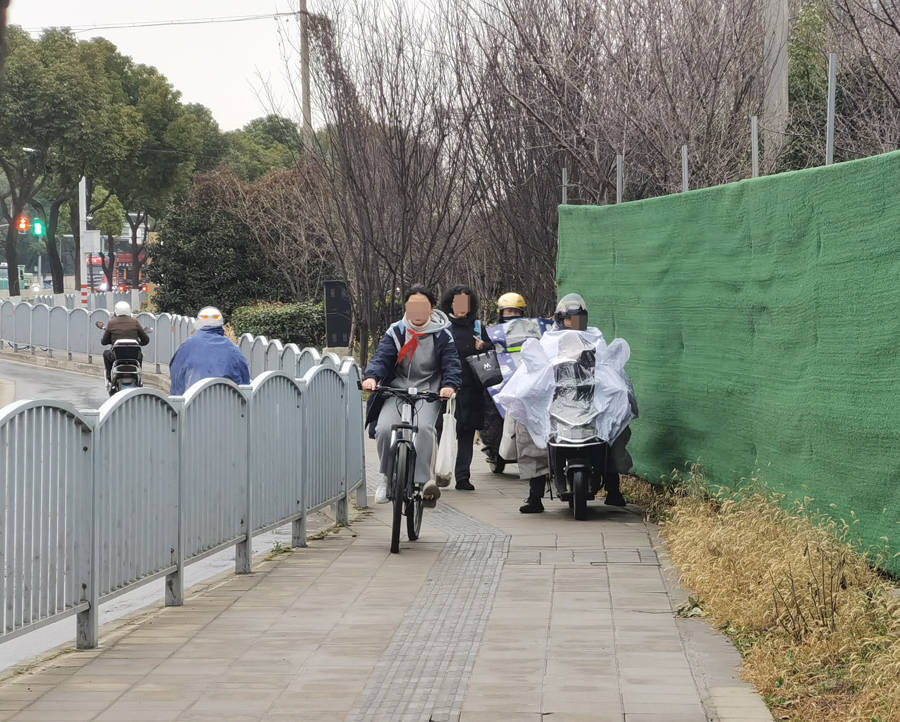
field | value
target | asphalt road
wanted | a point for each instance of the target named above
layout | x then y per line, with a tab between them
34	382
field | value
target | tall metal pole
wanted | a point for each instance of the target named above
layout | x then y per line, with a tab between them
829	131
565	185
754	144
304	70
620	177
684	169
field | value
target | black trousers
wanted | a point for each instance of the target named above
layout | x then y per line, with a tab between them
465	440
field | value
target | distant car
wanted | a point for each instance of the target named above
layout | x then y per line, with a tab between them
48	283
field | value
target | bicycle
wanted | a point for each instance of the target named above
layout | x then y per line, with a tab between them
402	488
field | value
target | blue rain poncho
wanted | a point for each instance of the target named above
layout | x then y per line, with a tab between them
207	355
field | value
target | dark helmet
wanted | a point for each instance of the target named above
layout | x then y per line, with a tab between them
572	304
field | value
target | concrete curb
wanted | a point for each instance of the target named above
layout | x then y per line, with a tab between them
715	663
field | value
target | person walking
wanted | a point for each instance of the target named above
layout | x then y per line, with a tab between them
461	306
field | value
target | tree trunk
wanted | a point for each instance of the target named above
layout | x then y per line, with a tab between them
135	261
12	256
56	267
109	266
3	5
75	222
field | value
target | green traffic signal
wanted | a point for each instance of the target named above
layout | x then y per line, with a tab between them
37	227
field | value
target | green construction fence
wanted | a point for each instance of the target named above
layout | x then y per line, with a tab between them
764	324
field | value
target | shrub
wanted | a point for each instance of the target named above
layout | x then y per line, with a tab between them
301	323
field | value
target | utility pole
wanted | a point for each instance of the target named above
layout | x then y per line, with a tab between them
304	71
775	59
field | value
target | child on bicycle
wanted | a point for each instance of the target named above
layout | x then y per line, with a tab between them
416	352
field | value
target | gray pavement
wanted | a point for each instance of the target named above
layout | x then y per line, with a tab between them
35	382
491	615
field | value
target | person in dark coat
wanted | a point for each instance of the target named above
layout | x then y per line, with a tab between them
461	306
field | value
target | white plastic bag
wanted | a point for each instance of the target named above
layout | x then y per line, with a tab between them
445	461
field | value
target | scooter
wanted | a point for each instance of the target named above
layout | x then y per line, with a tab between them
578	456
127	370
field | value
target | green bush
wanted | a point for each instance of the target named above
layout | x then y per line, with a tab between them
301	323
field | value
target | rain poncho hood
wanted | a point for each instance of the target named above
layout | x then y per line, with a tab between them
207	354
529	393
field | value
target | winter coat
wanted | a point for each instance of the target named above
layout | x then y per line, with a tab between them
124	327
470	395
207	355
441	369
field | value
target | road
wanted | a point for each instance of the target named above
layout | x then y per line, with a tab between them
21	381
35	382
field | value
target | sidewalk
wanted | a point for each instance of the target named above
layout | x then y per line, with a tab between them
491	615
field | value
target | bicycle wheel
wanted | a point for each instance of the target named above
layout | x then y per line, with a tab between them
579	494
398	494
414	516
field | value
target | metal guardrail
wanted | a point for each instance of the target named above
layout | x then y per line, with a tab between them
38	327
88	512
95	503
90	301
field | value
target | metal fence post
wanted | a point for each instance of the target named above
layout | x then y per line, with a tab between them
243	552
754	144
829	129
87	623
175	580
620	177
298	526
684	169
342	507
565	185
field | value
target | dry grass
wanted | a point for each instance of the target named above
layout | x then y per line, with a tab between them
818	627
230	334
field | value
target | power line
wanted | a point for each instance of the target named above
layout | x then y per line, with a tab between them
168	23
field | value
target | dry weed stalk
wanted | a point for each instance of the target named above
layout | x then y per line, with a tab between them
818	627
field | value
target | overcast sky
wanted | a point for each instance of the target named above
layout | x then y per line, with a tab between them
218	65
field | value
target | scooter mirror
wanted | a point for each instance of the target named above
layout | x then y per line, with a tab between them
99	324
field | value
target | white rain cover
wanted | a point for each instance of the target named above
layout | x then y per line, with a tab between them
558	370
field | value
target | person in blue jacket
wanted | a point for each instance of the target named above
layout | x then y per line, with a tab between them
207	354
416	352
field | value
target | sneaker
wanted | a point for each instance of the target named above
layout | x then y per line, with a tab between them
430	494
465	486
615	498
444	480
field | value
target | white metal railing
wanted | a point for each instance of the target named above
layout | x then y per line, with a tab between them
89	301
96	503
39	328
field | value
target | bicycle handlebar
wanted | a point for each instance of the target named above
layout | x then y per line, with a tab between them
404	394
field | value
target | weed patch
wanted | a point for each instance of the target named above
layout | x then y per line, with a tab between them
818	627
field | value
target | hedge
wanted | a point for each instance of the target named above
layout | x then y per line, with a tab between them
302	323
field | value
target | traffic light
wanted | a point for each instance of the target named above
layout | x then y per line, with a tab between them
37	227
23	224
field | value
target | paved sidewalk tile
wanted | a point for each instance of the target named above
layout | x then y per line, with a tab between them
490	615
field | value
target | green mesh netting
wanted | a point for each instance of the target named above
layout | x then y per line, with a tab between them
764	324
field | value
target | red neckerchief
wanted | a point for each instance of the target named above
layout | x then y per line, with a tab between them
409	348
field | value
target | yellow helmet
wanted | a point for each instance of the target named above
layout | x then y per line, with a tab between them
510	300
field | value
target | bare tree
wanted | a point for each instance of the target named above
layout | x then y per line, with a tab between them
279	208
399	181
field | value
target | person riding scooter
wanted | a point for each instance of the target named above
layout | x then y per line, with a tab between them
507	336
207	354
121	326
530	394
